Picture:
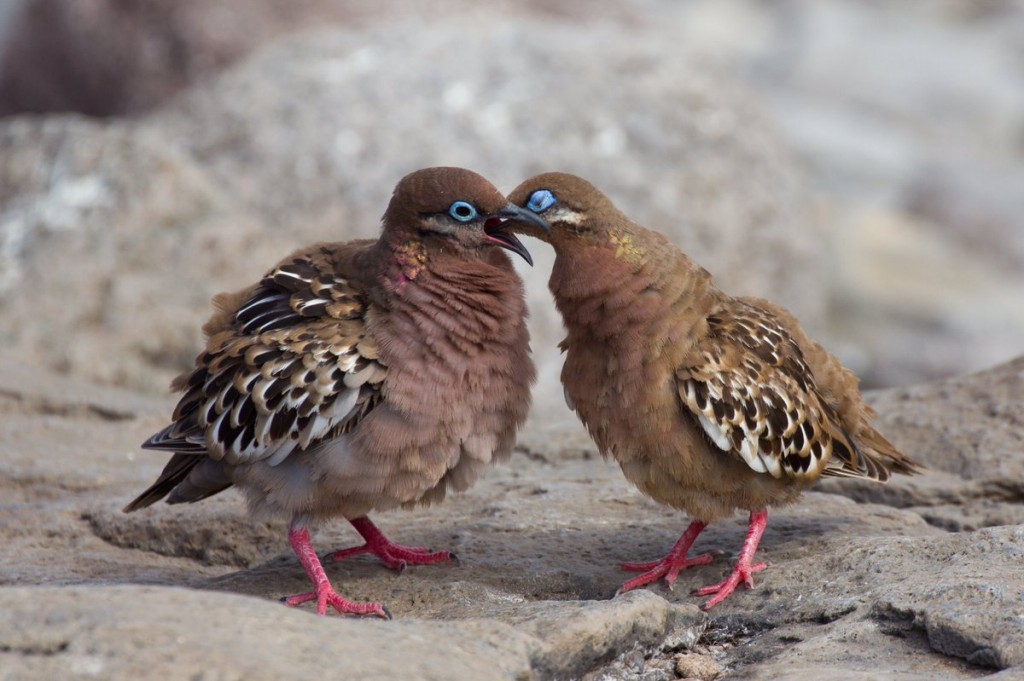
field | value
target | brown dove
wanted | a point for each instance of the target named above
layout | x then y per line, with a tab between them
362	376
709	402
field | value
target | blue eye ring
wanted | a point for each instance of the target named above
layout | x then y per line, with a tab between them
463	211
541	200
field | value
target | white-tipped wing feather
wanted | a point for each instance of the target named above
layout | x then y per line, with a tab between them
755	397
297	366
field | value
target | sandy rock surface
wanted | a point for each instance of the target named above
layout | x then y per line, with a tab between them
885	588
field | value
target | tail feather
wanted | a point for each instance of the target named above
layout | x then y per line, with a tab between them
885	454
206	479
185	478
174	439
174	473
869	457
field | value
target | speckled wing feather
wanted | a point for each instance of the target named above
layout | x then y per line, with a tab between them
295	365
754	395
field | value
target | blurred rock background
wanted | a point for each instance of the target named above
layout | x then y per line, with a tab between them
860	162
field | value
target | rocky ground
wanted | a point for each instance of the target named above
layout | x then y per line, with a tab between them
859	162
920	579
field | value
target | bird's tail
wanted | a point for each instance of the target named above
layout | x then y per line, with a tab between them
868	456
186	478
874	445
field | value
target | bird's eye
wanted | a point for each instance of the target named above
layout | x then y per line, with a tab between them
462	211
541	200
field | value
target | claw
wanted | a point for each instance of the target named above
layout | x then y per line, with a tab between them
394	556
669	566
743	571
326	595
728	585
323	593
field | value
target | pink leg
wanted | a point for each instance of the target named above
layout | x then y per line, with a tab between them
669	566
394	556
743	571
323	593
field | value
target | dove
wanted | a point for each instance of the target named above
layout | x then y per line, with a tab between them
709	403
362	376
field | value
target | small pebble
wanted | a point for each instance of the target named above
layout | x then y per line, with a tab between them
634	661
697	667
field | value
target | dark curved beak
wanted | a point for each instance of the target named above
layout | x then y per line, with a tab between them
514	213
496	228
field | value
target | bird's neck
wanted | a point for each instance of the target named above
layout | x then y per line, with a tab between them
616	287
400	256
443	291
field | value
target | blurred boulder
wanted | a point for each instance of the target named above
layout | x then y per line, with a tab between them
111	244
908	119
117	57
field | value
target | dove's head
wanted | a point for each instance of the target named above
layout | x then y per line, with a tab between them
574	208
455	210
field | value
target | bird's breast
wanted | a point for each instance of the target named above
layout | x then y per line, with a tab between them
621	394
457	350
626	394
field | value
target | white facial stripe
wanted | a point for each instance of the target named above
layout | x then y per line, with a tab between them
565	215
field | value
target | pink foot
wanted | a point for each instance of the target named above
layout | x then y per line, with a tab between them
669	566
328	596
323	593
744	573
744	570
394	556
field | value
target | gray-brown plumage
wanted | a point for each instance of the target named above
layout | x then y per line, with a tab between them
709	402
362	376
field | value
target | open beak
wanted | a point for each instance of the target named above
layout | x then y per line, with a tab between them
496	228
